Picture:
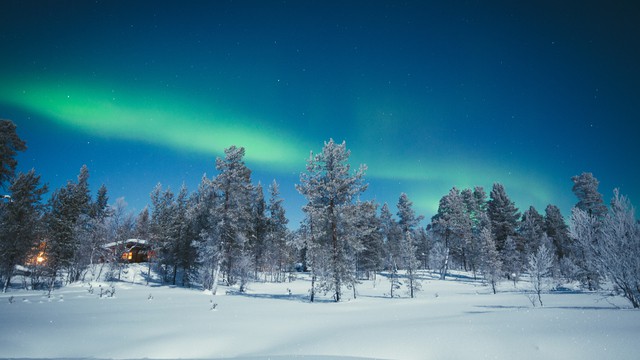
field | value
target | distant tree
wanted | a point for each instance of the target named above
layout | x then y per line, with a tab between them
10	144
184	250
491	265
162	229
530	229
410	263
331	191
476	208
143	224
408	222
120	227
503	215
539	268
557	230
424	242
93	234
585	187
511	259
20	225
367	227
407	219
392	239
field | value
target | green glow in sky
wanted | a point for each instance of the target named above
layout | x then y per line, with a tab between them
157	119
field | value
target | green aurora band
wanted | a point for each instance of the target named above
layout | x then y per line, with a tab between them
155	119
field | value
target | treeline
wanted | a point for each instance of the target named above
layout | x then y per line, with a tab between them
226	231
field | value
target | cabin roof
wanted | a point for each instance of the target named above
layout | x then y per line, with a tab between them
127	243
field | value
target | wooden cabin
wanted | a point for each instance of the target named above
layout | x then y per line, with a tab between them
131	250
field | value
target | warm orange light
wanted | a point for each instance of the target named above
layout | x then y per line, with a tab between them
40	259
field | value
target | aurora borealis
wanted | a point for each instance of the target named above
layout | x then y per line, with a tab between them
429	95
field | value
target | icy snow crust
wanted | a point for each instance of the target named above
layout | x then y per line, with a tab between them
454	319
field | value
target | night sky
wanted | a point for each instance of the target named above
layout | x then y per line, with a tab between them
429	95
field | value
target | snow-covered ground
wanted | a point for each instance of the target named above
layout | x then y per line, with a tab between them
453	319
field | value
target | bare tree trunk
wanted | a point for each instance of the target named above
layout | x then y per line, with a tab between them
445	267
6	284
216	275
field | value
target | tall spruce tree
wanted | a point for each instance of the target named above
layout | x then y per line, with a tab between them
557	229
452	227
68	207
530	230
408	221
20	224
235	210
503	215
277	249
585	187
392	239
331	190
371	258
257	239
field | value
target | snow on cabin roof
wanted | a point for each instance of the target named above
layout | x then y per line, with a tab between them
128	242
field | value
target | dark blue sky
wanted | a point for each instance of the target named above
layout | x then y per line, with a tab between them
428	94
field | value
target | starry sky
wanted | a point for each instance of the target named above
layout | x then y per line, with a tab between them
428	94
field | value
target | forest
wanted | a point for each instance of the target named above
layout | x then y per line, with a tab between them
227	231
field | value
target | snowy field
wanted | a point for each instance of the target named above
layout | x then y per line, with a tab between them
454	319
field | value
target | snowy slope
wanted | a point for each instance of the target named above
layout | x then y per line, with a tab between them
453	319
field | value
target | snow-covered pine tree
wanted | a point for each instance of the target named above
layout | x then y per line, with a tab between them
278	250
503	215
331	190
410	263
67	207
235	210
20	225
97	231
257	240
371	258
407	222
206	222
424	242
185	251
162	228
392	238
452	226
